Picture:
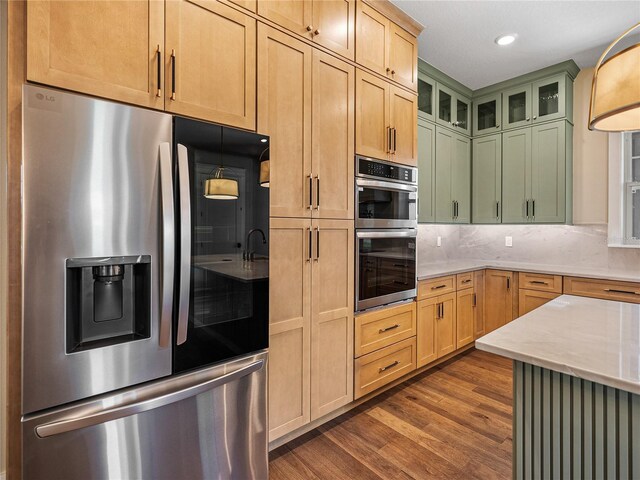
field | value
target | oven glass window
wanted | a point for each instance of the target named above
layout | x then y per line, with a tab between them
386	266
376	203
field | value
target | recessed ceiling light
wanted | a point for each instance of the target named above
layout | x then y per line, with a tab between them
503	40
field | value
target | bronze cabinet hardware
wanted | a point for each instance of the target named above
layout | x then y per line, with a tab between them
437	287
395	138
539	282
316	32
388	139
317	192
497	209
466	280
533	208
508	283
173	74
475	300
386	329
310	244
310	177
628	292
388	70
159	78
309	28
527	210
391	365
317	244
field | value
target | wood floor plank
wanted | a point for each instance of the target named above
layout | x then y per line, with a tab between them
453	421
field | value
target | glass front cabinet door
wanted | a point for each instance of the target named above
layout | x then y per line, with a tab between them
426	98
516	107
453	110
487	112
549	98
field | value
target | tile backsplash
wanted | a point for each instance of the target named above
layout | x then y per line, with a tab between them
584	245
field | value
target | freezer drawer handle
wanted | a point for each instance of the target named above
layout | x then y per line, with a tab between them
70	424
168	244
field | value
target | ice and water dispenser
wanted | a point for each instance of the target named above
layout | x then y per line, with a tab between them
108	301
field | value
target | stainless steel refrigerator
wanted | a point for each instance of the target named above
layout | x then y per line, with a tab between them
145	305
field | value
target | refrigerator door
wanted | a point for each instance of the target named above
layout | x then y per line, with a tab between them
207	424
98	189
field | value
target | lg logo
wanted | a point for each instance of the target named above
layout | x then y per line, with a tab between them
47	98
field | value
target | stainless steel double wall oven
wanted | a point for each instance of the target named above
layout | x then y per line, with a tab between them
386	232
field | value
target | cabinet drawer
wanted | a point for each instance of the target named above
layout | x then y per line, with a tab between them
542	282
383	366
531	299
436	286
382	328
464	280
605	289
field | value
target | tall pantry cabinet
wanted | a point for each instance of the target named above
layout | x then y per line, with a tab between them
306	106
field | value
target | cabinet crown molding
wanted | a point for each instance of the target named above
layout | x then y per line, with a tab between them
393	13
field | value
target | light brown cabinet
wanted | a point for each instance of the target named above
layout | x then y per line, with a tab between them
311	327
210	62
311	171
605	289
500	290
532	299
386	120
76	46
385	48
478	319
381	328
466	307
192	57
330	23
436	333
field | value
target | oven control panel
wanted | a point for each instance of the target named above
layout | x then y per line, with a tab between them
368	167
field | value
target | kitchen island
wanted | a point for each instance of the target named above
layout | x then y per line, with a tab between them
576	388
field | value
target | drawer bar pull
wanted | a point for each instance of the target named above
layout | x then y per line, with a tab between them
437	287
466	281
539	282
391	365
382	330
628	292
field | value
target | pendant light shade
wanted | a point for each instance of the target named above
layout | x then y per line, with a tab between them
219	188
264	173
615	91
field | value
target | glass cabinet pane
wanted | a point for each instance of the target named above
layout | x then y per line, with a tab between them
444	107
548	99
635	212
487	115
635	157
517	107
462	112
425	97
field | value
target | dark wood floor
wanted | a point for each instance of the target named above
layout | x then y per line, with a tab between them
453	421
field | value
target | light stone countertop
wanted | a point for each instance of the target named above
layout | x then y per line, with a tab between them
588	338
432	270
234	267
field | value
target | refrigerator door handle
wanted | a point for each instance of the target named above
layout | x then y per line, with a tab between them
185	244
168	243
75	423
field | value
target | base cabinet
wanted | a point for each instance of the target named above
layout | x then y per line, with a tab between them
500	290
436	333
466	306
478	319
311	327
532	299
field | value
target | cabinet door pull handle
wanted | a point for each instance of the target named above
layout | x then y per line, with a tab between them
497	209
310	177
533	208
388	70
539	282
392	327
391	365
508	283
310	244
317	244
316	32
159	78
441	309
173	74
628	292
527	209
437	287
317	192
395	136
388	139
453	207
475	300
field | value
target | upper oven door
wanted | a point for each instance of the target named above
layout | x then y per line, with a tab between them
382	204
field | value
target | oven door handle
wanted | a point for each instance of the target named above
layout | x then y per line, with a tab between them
381	185
409	233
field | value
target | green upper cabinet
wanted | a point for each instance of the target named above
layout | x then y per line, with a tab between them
453	109
516	175
452	177
426	98
487	114
536	173
486	176
516	107
550	98
426	171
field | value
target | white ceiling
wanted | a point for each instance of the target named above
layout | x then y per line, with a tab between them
459	35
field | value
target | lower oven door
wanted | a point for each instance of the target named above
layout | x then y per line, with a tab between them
386	266
382	204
